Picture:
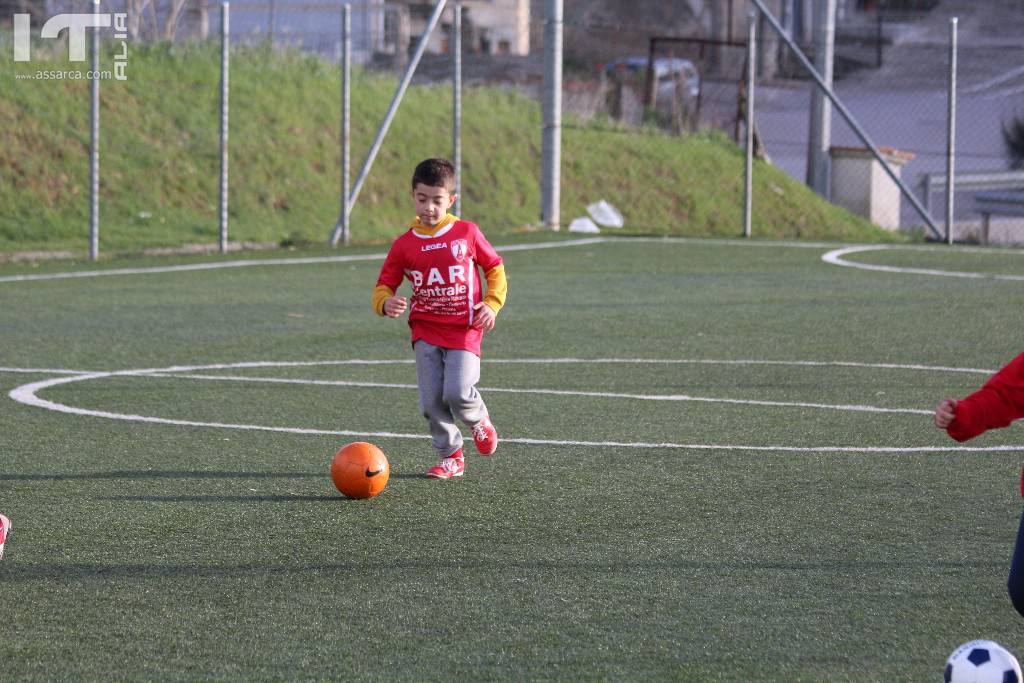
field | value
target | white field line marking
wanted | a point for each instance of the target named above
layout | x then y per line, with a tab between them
702	361
835	257
519	361
558	392
782	449
561	361
47	371
552	245
243	263
27	395
190	267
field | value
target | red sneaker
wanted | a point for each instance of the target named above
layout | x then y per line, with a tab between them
485	436
452	466
5	530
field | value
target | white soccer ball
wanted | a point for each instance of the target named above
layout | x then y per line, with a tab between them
982	661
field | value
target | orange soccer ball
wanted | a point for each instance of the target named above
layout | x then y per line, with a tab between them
360	470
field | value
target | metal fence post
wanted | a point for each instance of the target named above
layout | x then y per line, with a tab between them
821	110
224	45
951	135
392	109
94	142
457	103
346	118
551	142
748	168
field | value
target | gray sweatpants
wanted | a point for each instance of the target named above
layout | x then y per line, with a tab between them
447	381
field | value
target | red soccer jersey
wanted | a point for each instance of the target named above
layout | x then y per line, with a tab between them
442	269
997	404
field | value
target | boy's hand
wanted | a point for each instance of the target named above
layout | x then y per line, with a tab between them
395	306
945	413
484	317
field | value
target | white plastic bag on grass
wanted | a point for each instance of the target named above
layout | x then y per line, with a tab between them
583	224
605	215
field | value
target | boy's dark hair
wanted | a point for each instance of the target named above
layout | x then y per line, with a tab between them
435	173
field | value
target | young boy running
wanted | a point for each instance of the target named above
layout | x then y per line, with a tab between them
448	313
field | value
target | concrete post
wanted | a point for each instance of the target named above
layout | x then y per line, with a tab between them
820	138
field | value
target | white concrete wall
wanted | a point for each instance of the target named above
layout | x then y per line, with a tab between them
501	22
860	184
506	22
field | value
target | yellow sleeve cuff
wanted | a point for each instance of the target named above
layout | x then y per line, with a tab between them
497	288
381	293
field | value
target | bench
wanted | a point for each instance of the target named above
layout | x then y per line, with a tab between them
1006	203
992	180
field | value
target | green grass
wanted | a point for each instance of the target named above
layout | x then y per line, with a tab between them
153	551
160	159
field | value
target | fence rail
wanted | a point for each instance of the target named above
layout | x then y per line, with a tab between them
993	180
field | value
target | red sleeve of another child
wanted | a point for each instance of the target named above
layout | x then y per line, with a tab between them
997	404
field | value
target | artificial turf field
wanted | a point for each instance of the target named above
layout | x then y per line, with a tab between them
806	524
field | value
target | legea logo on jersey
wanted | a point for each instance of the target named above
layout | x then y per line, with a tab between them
459	249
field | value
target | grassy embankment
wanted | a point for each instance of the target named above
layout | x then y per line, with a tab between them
160	159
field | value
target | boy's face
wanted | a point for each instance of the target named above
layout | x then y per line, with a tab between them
432	203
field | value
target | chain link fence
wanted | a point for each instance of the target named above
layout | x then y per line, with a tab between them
891	70
901	100
680	67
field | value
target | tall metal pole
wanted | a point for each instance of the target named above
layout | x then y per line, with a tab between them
457	103
951	134
551	143
748	175
821	111
392	109
346	119
94	143
224	45
273	20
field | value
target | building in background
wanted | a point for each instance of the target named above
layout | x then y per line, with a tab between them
492	27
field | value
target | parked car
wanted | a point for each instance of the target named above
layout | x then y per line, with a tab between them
668	72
